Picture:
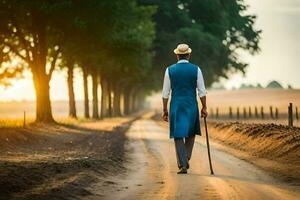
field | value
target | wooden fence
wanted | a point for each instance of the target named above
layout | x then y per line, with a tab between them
256	113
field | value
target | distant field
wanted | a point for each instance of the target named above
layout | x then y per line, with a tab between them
279	98
243	98
223	99
14	110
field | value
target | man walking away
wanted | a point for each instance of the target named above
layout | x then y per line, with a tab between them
183	80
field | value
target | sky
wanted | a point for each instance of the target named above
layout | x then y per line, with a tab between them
279	58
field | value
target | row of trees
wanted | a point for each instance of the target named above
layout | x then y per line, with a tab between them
122	44
109	40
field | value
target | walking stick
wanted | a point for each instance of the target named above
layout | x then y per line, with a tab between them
208	149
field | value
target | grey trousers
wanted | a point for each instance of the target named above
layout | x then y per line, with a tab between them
184	148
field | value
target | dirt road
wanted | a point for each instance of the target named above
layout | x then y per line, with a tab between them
152	172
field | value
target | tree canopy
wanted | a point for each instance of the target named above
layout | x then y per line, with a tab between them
216	30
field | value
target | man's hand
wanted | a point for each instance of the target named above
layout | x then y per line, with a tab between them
204	112
165	116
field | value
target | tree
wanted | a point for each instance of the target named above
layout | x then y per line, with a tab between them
34	32
41	33
126	55
274	84
85	90
68	62
216	30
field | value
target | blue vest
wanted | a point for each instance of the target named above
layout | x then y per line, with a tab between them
184	112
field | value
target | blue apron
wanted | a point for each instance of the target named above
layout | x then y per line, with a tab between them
184	112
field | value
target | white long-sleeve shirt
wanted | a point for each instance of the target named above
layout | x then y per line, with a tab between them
167	83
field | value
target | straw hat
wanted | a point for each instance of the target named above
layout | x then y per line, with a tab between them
183	49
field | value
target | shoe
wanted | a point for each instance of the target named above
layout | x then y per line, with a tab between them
187	167
183	170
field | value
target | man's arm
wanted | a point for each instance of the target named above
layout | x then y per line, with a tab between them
165	95
202	93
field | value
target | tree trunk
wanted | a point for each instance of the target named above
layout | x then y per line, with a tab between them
133	102
95	95
72	104
104	96
140	101
42	91
126	102
86	93
117	103
109	100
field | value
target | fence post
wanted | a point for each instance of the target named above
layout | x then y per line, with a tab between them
238	113
250	112
256	112
230	112
276	113
24	118
217	112
297	115
290	114
262	112
244	113
271	112
212	113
